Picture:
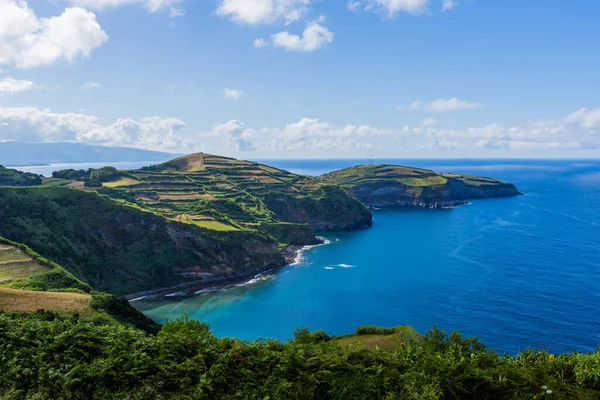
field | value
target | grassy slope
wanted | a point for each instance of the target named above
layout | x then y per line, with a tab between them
59	302
123	249
418	183
49	287
414	177
223	193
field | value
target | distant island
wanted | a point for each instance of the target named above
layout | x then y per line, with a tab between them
14	154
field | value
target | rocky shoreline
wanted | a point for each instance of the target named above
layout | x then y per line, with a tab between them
290	253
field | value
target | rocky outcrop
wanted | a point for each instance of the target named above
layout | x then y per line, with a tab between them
331	208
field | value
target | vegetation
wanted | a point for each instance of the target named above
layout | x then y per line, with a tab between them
122	249
12	177
224	194
32	300
397	186
46	356
72	174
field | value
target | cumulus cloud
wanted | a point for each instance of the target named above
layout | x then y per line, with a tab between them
11	86
449	4
390	8
91	85
233	94
314	37
260	43
428	122
42	125
173	6
235	135
263	11
579	130
27	41
586	119
444	105
354	5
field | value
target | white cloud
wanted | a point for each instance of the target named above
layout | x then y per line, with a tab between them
233	94
449	4
27	41
11	86
314	37
428	122
354	5
173	6
578	131
91	85
586	119
235	135
260	43
263	11
390	8
444	105
42	125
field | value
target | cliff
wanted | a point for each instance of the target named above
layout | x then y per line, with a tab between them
121	249
386	186
227	194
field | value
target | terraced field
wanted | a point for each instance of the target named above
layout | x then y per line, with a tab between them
16	265
397	186
223	193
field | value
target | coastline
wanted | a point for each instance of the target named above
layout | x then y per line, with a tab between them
292	255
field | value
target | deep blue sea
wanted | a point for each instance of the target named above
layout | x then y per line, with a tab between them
517	272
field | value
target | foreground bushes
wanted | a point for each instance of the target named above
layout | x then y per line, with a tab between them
44	356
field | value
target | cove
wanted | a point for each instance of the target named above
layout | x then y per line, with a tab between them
500	269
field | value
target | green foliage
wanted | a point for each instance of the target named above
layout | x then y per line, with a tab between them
55	280
12	177
120	309
119	249
45	356
76	175
288	233
92	183
374	330
104	174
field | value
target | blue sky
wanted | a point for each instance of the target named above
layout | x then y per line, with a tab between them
305	78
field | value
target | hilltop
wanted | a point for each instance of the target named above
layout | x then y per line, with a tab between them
385	185
227	194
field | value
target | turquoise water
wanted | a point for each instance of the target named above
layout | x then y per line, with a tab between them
517	272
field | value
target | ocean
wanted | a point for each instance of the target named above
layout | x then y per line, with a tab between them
516	272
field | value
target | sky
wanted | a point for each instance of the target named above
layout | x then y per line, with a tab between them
305	78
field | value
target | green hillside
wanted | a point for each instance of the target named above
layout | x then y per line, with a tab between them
123	249
30	282
12	177
397	186
227	194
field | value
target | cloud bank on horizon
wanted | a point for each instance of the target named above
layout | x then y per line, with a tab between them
389	78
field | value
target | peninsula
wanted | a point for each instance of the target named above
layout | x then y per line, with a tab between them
390	186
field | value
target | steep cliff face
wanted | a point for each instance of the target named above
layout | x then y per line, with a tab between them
121	249
330	208
386	186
